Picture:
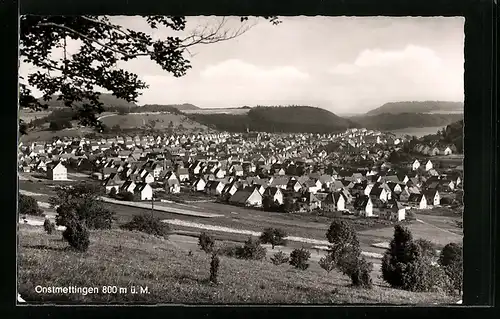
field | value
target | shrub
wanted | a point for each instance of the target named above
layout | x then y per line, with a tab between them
253	250
427	247
27	205
299	258
77	235
112	193
206	242
127	196
214	268
327	263
147	224
279	258
423	276
273	236
451	259
49	226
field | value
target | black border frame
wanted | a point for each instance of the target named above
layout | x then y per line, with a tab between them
480	141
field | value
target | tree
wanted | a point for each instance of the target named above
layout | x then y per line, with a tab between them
451	259
206	242
273	236
252	250
214	268
49	226
80	203
288	204
104	45
279	258
77	235
112	193
27	205
402	252
345	253
327	263
299	258
55	126
427	247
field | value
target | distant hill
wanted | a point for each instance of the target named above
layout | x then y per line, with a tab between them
387	121
418	107
184	107
109	101
292	119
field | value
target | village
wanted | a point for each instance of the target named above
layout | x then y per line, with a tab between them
360	172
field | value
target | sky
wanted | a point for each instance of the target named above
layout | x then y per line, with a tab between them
346	65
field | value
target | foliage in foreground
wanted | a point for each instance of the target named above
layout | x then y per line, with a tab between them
148	224
345	254
407	266
279	258
251	250
299	258
451	259
77	235
49	226
206	242
80	203
273	236
28	205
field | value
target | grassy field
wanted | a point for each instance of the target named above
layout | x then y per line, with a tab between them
162	120
171	275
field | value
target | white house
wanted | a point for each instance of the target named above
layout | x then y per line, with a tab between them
172	186
144	190
334	202
199	185
429	165
363	206
415	165
57	172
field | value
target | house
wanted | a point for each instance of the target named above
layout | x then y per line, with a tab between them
199	185
403	196
415	165
275	194
110	184
172	186
334	201
395	211
308	202
418	201
148	178
428	166
214	188
128	186
57	172
247	196
379	193
230	189
293	185
447	151
432	197
144	191
183	174
363	206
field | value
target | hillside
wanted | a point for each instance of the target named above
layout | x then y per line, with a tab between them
418	107
185	106
108	100
293	119
388	121
157	120
173	275
451	134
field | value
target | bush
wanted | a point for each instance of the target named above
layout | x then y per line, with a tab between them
27	205
327	263
273	236
299	258
206	242
49	226
253	250
147	224
77	235
126	196
427	247
451	259
112	193
214	268
279	258
423	276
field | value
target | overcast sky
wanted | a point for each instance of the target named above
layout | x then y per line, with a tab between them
343	64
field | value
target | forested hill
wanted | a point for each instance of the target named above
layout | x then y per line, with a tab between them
388	121
418	107
451	134
291	119
109	101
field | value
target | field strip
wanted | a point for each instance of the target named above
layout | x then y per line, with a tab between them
441	229
161	208
27	193
256	234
